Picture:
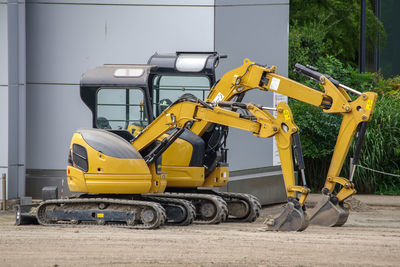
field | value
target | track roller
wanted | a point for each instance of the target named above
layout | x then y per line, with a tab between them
122	213
179	212
210	209
241	207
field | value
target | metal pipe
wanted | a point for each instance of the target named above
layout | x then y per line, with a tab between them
350	89
268	108
303	177
4	191
352	169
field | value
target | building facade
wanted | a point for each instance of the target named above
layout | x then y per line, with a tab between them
45	46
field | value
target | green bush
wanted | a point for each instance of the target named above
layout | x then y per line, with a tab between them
325	34
337	23
381	149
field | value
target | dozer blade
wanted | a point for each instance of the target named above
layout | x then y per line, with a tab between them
292	218
328	213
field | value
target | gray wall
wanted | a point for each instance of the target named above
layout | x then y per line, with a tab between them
258	31
3	88
13	95
65	40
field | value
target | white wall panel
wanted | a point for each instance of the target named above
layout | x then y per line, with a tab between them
4	127
3	89
63	41
54	112
3	45
250	2
132	2
259	33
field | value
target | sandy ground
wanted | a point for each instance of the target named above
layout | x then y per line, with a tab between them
371	237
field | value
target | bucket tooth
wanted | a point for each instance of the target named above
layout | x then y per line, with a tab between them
292	218
328	213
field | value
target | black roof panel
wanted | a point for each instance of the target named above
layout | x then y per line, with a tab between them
167	63
130	75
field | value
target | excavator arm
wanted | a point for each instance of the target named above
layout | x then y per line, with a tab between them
261	124
334	99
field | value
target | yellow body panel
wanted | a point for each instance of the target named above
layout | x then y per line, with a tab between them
159	182
184	176
108	174
217	178
76	180
117	183
178	154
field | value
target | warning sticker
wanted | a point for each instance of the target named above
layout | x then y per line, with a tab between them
286	114
218	98
100	215
274	84
369	104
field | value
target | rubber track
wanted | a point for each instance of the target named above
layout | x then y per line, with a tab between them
219	204
187	205
252	202
160	212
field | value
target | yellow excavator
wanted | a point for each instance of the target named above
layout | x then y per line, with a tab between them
122	185
182	176
330	211
110	91
121	98
334	99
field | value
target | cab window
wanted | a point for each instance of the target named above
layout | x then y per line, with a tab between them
120	108
168	89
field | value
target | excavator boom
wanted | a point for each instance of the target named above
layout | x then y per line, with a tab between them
334	99
261	124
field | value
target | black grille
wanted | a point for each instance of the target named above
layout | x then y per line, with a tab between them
79	157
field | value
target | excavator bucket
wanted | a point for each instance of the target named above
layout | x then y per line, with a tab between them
328	213
291	218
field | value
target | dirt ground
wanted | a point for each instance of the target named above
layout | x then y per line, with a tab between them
371	237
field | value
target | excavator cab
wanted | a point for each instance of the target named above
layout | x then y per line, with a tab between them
118	96
128	98
180	73
194	73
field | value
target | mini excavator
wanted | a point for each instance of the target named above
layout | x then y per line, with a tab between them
121	185
330	211
208	167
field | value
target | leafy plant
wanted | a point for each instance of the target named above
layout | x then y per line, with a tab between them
325	34
381	149
338	25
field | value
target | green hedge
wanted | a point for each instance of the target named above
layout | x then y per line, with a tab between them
325	34
381	150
